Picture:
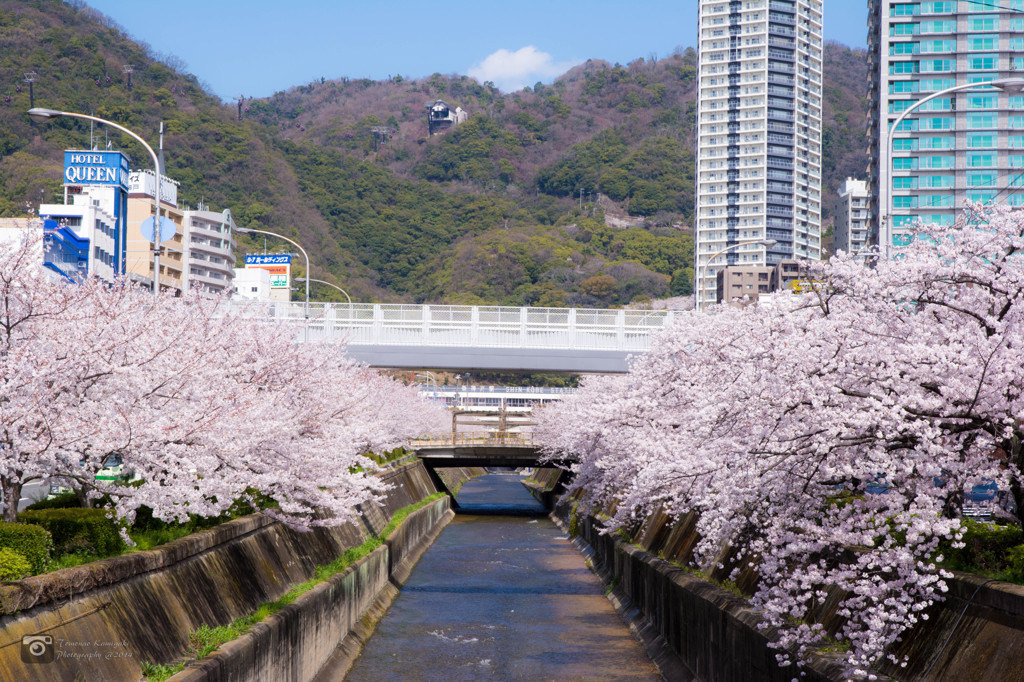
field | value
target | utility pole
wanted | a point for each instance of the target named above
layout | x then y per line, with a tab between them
30	78
128	69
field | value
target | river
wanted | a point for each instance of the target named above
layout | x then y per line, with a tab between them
501	595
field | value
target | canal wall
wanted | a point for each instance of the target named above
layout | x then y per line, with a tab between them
103	619
696	630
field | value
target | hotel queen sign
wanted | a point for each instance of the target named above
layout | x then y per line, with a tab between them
96	168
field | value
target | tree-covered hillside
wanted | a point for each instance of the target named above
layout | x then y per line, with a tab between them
508	207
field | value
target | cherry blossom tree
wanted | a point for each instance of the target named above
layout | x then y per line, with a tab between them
828	440
204	406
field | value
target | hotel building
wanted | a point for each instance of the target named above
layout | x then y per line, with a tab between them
758	135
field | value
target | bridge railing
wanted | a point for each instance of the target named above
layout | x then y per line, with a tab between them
438	441
387	324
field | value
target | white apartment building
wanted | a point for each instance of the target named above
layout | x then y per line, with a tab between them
758	135
852	223
81	237
965	145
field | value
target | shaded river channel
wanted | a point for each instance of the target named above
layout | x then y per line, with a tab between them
501	595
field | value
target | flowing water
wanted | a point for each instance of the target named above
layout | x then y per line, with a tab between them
502	595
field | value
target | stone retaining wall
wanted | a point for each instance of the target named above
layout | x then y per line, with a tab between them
105	618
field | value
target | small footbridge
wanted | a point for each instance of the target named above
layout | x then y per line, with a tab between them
515	450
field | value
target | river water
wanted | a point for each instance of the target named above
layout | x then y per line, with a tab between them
501	595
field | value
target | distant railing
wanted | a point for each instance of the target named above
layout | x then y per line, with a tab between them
470	439
384	324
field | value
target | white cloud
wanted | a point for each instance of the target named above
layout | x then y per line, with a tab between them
512	71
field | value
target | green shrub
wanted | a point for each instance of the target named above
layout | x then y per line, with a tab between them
31	541
1015	567
62	501
79	531
986	548
13	565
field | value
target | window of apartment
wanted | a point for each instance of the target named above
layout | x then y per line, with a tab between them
1017	102
1017	24
904	183
937	104
981	160
904	48
981	180
1016	181
898	87
982	102
936	84
900	105
1016	160
1016	44
907	29
983	43
938	7
904	164
938	26
936	46
1017	122
903	10
1015	141
983	63
938	65
983	23
904	202
903	67
982	5
937	201
942	162
907	125
979	79
937	123
1016	200
981	197
980	141
937	182
938	143
905	145
982	121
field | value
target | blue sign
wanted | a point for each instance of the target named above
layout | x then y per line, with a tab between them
96	168
268	260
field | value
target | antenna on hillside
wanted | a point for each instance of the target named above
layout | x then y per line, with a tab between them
241	100
128	69
30	78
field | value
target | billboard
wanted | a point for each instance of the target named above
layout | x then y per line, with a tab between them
96	168
279	266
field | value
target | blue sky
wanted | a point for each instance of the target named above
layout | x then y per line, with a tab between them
258	47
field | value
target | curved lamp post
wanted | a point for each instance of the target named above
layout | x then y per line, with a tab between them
41	115
704	268
1012	86
249	230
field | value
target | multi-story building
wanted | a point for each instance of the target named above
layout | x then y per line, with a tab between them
852	228
199	254
758	134
741	285
965	145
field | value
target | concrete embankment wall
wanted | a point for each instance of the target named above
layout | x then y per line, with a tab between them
696	630
107	617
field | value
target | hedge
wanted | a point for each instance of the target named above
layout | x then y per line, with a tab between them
79	530
62	501
31	541
13	565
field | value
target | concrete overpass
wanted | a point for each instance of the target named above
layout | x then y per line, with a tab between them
481	338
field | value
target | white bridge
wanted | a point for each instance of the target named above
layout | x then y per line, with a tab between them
484	338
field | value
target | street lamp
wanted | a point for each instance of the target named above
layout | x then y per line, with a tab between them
1013	86
249	230
704	268
41	115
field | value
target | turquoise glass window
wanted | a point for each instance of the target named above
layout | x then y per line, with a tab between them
904	48
983	23
938	26
936	84
898	87
937	181
1015	141
982	102
981	141
904	202
903	10
1016	160
904	145
937	123
983	63
938	142
907	29
937	65
937	201
1017	122
983	43
981	160
981	121
904	164
981	180
904	183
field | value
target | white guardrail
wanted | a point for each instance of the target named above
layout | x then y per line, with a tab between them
386	324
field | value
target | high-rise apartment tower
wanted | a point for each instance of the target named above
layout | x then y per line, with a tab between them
758	134
965	145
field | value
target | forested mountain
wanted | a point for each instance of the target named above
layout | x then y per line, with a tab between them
513	206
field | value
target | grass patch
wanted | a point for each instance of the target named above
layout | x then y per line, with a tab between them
204	640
